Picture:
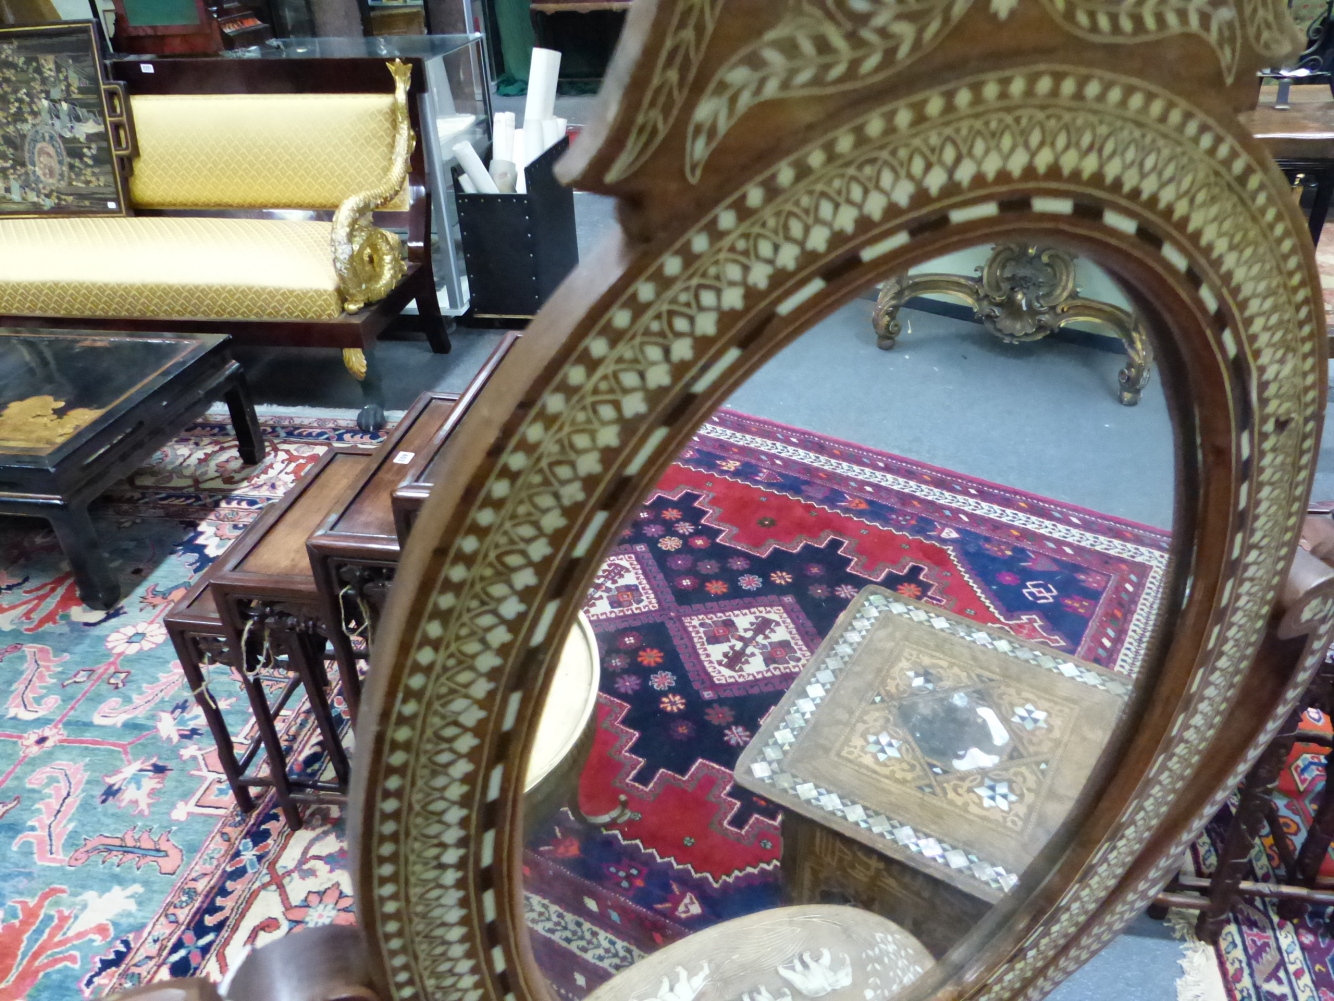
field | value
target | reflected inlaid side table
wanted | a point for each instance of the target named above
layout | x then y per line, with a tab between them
952	749
79	411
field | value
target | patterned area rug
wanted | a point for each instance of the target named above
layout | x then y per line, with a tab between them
127	861
124	857
1264	957
736	567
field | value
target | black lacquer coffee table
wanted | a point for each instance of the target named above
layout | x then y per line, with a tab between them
79	411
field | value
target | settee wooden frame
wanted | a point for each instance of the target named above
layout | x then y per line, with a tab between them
359	330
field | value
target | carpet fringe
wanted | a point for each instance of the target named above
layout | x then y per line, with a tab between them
1201	979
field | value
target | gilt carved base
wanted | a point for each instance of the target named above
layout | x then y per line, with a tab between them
1023	293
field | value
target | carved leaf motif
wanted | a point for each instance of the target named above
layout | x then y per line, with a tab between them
687	37
820	48
1216	21
1272	30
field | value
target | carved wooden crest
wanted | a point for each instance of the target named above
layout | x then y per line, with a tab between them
772	159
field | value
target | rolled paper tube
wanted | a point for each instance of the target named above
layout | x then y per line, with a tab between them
502	137
562	128
505	174
465	182
550	133
472	166
521	161
543	71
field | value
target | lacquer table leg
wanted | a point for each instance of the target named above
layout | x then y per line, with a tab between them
97	584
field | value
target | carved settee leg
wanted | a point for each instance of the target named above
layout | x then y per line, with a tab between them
365	368
428	308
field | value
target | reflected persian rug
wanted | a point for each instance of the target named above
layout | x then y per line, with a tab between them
123	855
754	542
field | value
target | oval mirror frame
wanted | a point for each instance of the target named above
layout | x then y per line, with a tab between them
765	175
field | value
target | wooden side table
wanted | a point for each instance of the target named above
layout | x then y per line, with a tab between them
1301	140
354	551
271	610
421	472
201	644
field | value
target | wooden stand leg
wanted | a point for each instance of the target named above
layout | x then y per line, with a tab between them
222	737
306	652
347	669
249	438
1315	846
1324	191
273	745
1234	860
98	587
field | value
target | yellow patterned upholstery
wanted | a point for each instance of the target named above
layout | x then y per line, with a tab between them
178	267
260	150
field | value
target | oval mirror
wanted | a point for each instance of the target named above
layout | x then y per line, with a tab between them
737	657
870	634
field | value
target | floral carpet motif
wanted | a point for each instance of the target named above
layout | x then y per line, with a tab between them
754	542
124	855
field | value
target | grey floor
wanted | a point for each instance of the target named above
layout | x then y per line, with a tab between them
1043	418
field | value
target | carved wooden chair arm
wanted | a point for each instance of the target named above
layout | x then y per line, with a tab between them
369	260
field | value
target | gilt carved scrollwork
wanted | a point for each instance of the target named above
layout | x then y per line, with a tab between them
1023	294
367	259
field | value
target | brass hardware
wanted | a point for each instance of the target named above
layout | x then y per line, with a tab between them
1025	292
369	260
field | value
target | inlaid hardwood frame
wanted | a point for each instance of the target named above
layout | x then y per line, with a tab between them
645	340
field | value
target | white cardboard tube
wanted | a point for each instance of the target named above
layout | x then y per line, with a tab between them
543	71
521	160
472	166
550	133
466	184
505	174
502	137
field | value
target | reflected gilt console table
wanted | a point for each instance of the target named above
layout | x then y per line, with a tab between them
1024	293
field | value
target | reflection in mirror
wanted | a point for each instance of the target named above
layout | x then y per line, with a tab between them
862	647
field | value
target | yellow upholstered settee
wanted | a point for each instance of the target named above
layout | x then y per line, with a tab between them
267	215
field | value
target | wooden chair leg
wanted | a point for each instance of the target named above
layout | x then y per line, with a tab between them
363	366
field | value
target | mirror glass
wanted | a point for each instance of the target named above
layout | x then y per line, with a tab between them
865	644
